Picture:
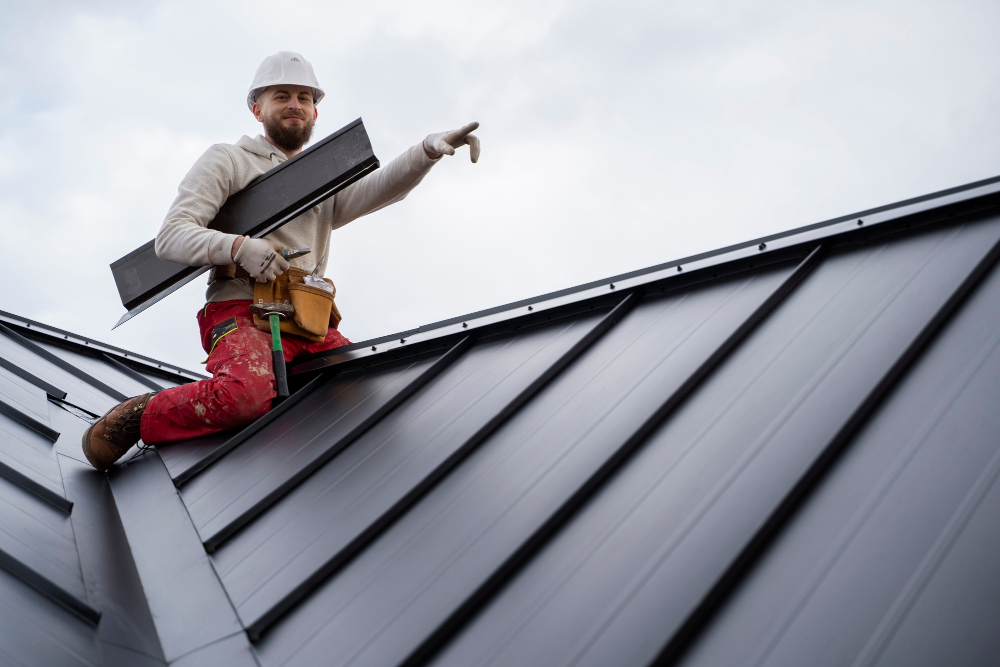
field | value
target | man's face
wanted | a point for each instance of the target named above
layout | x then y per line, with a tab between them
288	115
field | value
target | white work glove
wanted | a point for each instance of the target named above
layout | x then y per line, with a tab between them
260	260
445	143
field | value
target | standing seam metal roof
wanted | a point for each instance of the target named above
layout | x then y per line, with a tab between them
781	453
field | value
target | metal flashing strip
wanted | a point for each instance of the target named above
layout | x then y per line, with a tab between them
214	455
51	390
61	363
27	420
48	588
188	604
701	615
258	626
84	344
796	241
458	618
262	206
221	535
135	375
31	486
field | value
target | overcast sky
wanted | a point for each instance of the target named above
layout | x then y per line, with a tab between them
616	135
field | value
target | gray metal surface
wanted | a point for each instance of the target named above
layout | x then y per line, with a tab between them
782	453
704	484
464	530
919	474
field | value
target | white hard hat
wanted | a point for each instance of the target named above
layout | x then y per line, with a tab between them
285	67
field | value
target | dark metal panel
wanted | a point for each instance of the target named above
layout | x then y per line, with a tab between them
28	421
28	453
144	380
233	651
389	600
61	363
265	204
22	393
35	631
631	569
254	476
186	458
840	581
97	366
79	393
188	604
327	519
41	536
49	389
109	573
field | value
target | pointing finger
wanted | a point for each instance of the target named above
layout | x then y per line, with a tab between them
473	147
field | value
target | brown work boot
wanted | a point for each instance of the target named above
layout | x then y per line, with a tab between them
114	434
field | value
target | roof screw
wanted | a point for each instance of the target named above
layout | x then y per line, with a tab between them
373	348
761	246
402	340
860	222
530	308
464	325
679	269
612	285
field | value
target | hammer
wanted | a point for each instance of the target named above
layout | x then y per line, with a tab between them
275	312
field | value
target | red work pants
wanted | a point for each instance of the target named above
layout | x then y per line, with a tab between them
242	383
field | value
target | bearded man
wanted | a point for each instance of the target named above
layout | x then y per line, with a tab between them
283	97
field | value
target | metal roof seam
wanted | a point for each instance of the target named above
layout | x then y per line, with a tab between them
28	421
51	390
49	588
772	525
31	486
83	344
338	560
230	529
927	209
243	434
432	644
61	363
135	375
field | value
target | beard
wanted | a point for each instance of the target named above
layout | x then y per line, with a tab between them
288	138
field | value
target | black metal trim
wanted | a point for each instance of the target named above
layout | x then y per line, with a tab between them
89	345
31	486
49	589
50	390
27	420
230	529
135	375
485	592
62	363
935	207
769	530
246	432
259	625
261	207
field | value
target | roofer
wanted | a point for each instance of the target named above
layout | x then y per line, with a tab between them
283	96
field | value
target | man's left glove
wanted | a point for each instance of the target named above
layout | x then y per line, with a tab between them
445	143
260	260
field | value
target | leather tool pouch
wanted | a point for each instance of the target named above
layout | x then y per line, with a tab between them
315	309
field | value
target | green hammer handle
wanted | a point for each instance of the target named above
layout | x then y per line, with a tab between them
278	357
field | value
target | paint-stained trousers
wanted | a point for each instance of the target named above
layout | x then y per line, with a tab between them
242	383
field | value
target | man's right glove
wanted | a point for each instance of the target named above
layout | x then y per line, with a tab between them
260	260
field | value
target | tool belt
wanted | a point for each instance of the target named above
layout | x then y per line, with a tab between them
315	308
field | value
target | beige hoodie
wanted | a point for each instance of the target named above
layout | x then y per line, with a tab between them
225	169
